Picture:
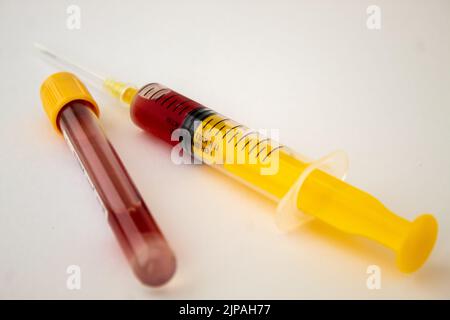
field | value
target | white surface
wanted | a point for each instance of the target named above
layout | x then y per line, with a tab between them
311	69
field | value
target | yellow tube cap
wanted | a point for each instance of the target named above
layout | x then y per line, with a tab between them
61	88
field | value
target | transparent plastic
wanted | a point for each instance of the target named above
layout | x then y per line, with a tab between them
150	256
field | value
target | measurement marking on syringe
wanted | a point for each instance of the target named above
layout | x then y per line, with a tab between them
270	152
170	104
181	111
217	124
145	87
180	104
232	137
261	151
204	126
243	137
157	93
161	96
259	142
230	130
220	130
168	98
148	91
246	144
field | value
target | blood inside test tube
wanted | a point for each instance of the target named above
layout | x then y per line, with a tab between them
149	254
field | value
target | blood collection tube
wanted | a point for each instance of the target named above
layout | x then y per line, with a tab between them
73	112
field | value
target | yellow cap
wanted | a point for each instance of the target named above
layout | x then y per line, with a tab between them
60	89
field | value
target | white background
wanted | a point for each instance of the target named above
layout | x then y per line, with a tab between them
309	68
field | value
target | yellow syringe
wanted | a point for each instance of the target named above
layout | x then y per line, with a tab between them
302	188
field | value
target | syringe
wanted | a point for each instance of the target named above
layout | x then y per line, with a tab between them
303	189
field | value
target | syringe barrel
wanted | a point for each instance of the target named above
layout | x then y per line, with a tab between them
159	110
275	171
217	140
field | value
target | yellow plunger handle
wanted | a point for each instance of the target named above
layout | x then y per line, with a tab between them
354	211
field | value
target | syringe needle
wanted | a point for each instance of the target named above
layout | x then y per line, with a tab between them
89	74
120	90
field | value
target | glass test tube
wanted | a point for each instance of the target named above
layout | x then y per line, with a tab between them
150	256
